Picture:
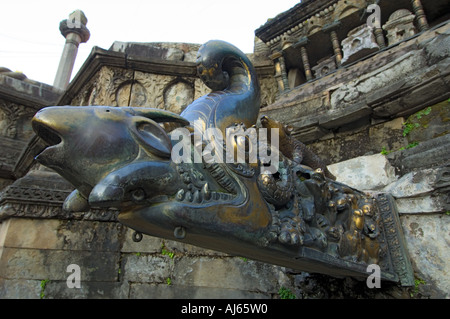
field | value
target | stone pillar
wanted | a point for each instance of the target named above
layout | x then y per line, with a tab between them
75	31
379	36
331	28
306	65
304	54
336	47
420	15
280	71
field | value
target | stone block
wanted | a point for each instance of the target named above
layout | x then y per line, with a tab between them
40	264
438	48
344	114
400	26
88	290
149	244
179	247
425	95
62	234
229	273
324	66
387	134
310	134
427	238
414	184
19	289
360	42
431	153
173	291
429	123
421	204
372	172
146	268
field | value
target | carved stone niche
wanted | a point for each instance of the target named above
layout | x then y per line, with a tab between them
359	42
177	96
400	26
324	66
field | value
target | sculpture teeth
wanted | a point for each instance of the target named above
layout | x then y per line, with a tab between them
180	195
203	195
206	192
197	198
188	197
225	196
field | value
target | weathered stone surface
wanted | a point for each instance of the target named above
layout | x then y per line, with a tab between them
344	114
437	49
159	50
177	96
190	250
152	245
428	239
414	184
40	264
422	204
229	273
88	290
429	123
62	234
146	268
173	291
149	244
324	66
400	26
431	153
425	95
364	173
310	134
19	289
359	43
422	191
397	70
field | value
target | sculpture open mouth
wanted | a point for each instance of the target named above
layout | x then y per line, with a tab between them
46	133
51	140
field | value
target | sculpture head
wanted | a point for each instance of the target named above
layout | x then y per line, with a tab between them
87	143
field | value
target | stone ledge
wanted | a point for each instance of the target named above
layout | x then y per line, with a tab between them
427	154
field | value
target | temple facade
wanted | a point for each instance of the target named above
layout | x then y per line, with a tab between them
365	84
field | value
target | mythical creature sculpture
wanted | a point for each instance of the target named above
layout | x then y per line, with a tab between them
295	217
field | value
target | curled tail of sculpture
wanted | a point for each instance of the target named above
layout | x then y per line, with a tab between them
236	94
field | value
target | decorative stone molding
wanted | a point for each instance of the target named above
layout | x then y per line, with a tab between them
360	42
400	26
324	67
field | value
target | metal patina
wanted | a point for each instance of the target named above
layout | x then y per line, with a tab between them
298	217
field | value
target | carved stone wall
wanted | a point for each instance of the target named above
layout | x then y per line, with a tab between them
118	87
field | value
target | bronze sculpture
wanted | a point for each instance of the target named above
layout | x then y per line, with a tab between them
295	216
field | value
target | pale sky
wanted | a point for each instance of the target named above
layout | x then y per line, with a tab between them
32	43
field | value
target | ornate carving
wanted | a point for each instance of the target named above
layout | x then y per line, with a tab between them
400	26
10	117
35	202
269	90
